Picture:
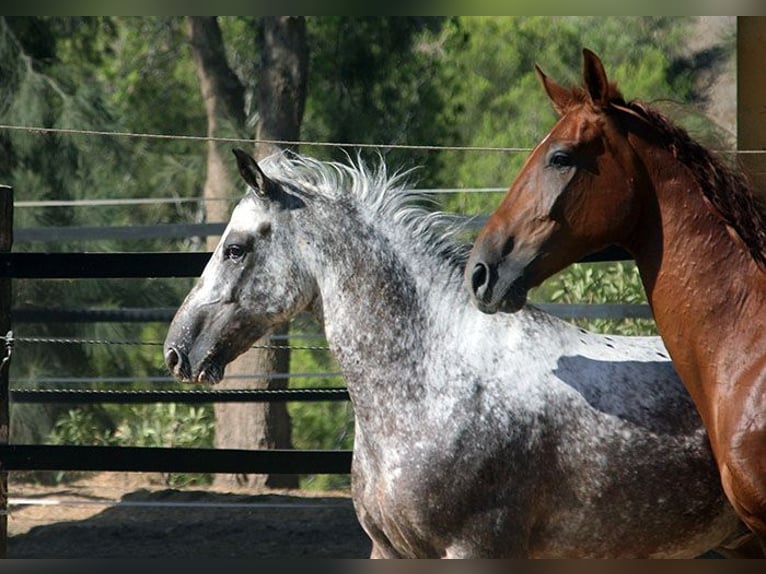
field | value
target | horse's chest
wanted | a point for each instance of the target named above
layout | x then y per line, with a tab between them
395	467
421	497
402	507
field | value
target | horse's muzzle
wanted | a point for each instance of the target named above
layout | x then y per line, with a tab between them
496	287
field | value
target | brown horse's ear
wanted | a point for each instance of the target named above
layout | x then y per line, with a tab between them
252	174
594	78
560	97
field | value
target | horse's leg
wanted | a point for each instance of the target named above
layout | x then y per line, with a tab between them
377	552
381	547
743	473
382	551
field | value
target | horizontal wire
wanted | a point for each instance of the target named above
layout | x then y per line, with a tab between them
74	341
187	391
252	141
177	200
291	143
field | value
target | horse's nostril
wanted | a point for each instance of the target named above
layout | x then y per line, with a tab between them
177	363
172	358
479	277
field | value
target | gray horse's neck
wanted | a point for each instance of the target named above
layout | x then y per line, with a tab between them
380	292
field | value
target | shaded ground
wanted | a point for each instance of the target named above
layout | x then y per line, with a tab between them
134	515
75	523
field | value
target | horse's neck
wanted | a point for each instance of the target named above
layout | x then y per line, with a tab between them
376	310
707	294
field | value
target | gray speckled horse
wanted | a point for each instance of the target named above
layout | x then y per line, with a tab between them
476	435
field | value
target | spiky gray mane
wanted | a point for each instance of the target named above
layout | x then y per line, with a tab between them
385	199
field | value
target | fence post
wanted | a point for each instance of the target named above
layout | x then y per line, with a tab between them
751	91
6	242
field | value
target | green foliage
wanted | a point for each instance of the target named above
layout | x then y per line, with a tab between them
71	73
373	80
496	99
320	425
78	426
155	425
599	283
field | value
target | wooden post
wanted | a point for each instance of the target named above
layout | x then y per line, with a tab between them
6	242
751	99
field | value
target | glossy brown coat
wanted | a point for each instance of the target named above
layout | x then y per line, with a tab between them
615	172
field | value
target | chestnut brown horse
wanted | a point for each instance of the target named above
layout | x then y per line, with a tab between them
612	172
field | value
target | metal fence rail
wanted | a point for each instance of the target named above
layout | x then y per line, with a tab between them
175	459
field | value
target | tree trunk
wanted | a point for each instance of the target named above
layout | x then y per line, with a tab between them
751	93
283	80
238	425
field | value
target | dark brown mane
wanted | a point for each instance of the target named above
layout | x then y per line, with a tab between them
728	192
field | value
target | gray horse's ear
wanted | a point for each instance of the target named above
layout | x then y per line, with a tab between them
253	176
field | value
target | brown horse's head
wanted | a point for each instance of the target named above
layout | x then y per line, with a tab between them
574	195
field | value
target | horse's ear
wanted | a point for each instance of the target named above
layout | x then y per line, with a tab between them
560	97
594	78
252	174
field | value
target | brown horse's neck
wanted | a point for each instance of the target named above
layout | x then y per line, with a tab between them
707	294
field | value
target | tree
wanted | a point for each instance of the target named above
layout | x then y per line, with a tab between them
496	98
374	80
64	73
38	89
281	95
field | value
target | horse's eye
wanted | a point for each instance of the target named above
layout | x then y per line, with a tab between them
234	252
561	160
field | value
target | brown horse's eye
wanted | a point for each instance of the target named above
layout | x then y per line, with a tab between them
561	160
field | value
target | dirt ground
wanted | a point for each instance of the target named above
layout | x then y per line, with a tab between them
114	515
135	515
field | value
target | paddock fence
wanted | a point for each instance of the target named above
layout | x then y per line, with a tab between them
117	265
46	265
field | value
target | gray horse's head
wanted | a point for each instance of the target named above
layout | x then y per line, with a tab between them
253	282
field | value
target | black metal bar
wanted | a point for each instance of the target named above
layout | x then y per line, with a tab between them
160	459
127	232
101	265
161	264
129	315
74	396
612	253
